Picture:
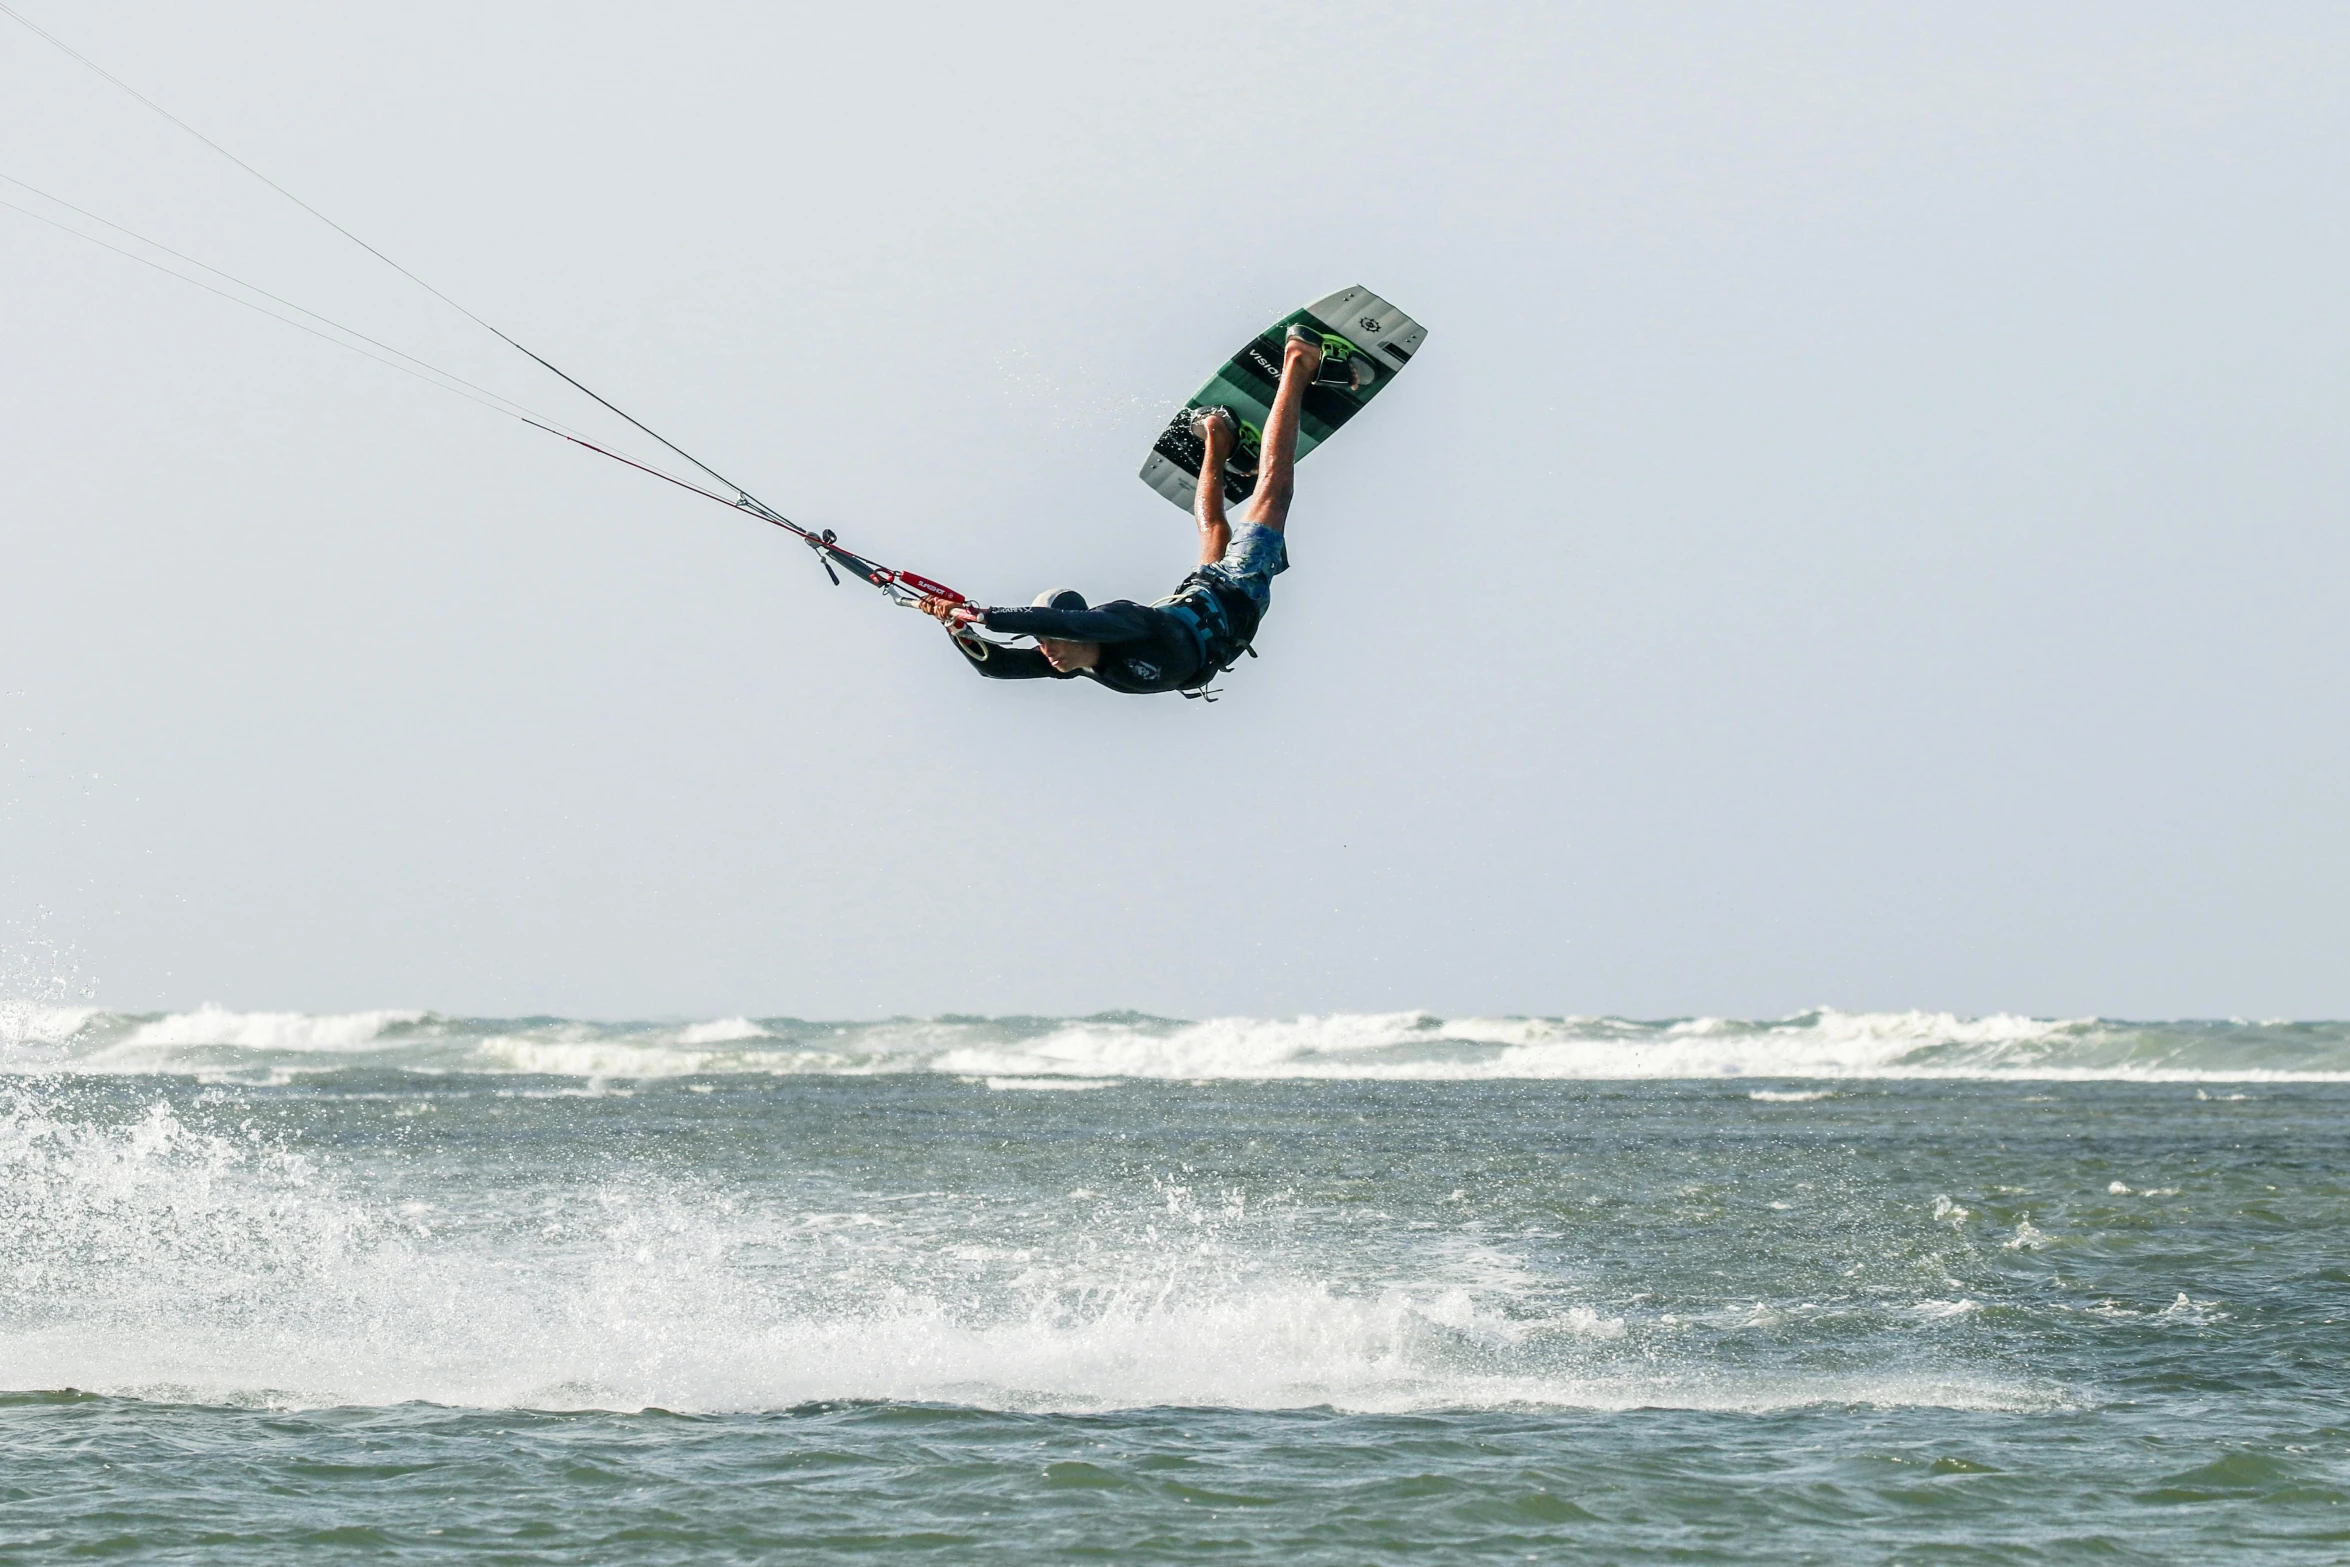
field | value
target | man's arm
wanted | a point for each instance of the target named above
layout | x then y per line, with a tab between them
1119	622
1008	663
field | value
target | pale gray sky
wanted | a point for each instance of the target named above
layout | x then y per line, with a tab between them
1867	527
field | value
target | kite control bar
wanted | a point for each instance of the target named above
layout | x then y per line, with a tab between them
903	587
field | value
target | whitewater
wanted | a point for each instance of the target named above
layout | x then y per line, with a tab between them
1398	1046
1840	1286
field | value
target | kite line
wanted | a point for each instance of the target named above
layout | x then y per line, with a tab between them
900	587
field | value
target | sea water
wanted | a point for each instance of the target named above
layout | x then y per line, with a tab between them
1345	1289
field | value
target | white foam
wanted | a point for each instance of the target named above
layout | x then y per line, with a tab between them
213	1025
1418	1046
2185	1309
1822	1046
2028	1237
723	1031
161	1259
25	1023
1340	1045
609	1058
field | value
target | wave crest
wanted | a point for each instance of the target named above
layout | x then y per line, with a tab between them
1394	1046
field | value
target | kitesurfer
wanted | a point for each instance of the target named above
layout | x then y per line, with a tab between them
1182	642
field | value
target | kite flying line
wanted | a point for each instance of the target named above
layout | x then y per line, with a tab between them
900	587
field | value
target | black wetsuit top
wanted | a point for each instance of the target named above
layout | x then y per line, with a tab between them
1143	649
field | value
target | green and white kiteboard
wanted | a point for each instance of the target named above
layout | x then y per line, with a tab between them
1369	328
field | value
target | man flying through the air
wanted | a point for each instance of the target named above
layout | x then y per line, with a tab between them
1183	642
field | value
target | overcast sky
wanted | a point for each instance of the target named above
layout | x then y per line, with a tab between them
1867	527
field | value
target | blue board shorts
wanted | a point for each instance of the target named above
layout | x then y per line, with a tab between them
1256	555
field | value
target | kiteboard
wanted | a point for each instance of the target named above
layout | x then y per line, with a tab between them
1365	326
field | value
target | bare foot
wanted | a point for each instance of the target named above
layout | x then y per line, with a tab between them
1218	430
1304	350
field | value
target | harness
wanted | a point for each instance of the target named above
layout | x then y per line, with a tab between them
1221	620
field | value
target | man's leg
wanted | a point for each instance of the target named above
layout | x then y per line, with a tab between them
1220	435
1301	361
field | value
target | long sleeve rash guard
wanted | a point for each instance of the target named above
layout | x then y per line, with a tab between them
1143	649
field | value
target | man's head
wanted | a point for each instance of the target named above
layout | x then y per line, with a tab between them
1066	657
1069	657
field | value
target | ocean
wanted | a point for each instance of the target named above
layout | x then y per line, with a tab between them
1344	1289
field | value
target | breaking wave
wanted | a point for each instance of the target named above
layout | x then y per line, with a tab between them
1400	1046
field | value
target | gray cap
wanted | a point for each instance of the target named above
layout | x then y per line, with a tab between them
1058	598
